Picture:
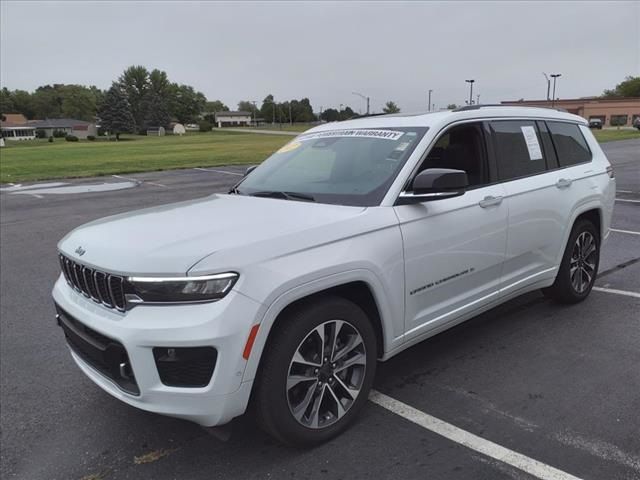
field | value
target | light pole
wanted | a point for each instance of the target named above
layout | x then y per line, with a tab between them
548	85
364	98
478	99
254	112
290	118
554	76
470	82
429	104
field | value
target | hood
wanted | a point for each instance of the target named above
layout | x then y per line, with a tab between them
170	239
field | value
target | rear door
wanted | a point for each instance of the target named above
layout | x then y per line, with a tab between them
535	194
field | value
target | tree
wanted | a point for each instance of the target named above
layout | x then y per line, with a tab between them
185	104
245	106
157	112
215	106
452	106
6	101
629	87
391	107
135	84
268	109
346	113
115	115
330	115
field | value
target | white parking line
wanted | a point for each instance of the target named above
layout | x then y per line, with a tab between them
219	171
630	232
469	440
626	200
617	292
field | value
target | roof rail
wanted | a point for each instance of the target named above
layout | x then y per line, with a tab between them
478	107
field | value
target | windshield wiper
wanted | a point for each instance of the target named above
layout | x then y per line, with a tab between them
284	195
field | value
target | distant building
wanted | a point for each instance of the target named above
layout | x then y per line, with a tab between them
13	126
69	126
612	112
156	131
233	119
178	129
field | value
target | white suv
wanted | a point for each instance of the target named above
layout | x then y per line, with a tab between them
351	243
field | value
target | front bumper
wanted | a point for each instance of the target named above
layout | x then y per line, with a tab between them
223	325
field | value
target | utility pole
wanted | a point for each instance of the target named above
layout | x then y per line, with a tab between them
478	99
290	118
429	103
554	76
470	82
548	85
364	98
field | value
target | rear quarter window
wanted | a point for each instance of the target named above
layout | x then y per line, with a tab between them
571	146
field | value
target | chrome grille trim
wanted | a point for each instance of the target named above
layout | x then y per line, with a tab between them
101	287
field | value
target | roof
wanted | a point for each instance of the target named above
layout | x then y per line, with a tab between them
14	118
443	118
58	123
575	100
233	114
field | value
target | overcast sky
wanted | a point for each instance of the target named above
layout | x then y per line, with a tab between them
325	51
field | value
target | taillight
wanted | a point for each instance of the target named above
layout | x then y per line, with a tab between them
610	171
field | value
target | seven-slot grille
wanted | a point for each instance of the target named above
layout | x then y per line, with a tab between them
99	286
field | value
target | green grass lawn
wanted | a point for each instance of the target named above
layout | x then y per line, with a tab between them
296	127
39	160
612	135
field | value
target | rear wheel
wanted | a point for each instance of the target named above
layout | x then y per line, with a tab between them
317	372
579	266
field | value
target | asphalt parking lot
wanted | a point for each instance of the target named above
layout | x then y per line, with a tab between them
558	385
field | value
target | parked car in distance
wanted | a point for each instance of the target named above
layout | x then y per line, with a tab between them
353	242
595	123
636	123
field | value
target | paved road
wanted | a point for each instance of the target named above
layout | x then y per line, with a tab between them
558	384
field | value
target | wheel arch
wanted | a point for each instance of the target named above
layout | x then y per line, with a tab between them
360	287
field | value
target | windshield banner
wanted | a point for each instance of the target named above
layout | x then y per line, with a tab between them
382	134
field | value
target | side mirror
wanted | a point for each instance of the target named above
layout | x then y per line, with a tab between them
249	170
435	184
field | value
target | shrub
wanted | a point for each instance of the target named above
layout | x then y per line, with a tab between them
41	134
50	139
59	133
91	138
71	138
205	126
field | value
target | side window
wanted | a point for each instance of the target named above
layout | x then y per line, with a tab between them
570	143
518	149
461	148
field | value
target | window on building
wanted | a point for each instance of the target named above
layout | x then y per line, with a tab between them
518	149
618	120
570	144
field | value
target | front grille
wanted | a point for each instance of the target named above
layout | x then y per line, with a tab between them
99	286
104	354
185	366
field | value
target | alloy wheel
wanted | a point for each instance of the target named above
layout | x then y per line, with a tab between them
326	374
582	266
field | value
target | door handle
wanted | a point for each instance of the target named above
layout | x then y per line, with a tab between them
490	201
564	183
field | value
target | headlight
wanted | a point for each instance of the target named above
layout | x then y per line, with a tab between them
179	289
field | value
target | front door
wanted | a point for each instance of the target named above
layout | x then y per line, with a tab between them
454	248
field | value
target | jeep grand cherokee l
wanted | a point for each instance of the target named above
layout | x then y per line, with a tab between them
351	243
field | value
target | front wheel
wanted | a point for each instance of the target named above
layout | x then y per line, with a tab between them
317	372
579	266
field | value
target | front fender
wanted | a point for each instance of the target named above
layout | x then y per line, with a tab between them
392	321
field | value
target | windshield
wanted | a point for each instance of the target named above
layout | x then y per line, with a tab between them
343	167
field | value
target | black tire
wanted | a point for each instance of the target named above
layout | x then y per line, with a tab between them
564	289
272	401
